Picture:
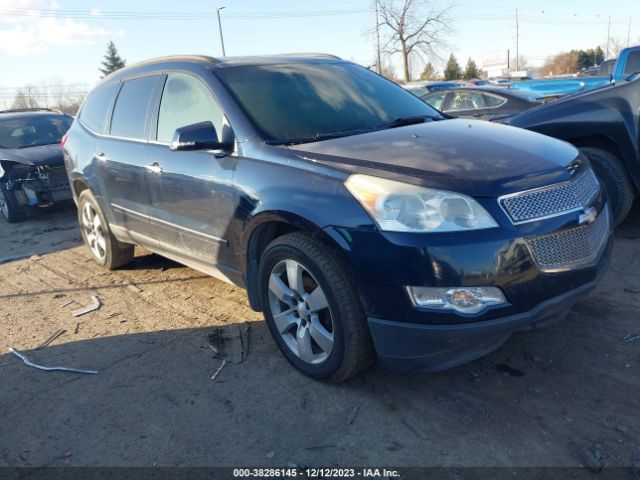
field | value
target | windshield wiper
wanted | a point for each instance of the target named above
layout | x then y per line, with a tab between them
318	137
404	121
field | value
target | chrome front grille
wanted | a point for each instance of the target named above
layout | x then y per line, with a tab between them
572	247
553	200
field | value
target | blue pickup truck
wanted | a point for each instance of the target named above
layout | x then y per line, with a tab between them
628	63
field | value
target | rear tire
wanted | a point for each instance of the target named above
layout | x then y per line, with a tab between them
320	328
105	249
615	178
12	211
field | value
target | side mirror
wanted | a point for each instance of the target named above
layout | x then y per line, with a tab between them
197	136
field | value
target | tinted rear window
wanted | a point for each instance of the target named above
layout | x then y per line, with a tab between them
94	110
130	112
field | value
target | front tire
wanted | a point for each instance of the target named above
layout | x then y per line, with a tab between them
313	310
105	249
12	211
615	178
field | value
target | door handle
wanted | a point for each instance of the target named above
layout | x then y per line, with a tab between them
101	157
154	168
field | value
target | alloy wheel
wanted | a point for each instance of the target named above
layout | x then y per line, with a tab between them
301	311
94	231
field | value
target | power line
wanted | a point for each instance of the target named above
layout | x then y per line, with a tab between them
146	15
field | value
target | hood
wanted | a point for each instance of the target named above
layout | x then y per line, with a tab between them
50	155
468	156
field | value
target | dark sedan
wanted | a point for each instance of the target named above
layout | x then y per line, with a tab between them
32	172
486	103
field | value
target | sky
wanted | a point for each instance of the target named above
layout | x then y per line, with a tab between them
63	41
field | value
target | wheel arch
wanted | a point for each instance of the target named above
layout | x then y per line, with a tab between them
79	186
603	142
261	231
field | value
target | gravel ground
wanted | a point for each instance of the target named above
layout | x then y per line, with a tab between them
567	395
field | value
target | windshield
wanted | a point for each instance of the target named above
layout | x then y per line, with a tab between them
292	103
33	130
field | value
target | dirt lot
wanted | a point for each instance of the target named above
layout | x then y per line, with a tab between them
555	397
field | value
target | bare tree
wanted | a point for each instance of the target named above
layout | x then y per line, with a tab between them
523	63
26	98
561	64
614	48
415	27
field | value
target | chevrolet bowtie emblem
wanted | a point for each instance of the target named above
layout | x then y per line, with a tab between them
588	215
573	167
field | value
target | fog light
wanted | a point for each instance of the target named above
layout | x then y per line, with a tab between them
461	299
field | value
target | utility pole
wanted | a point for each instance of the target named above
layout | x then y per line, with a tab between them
517	42
378	40
608	38
220	28
629	32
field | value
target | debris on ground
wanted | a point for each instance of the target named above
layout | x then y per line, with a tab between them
134	288
415	428
231	343
270	454
91	308
29	363
630	338
215	374
66	304
77	328
352	415
632	290
635	465
53	337
67	454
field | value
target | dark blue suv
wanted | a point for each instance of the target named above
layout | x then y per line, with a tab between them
357	218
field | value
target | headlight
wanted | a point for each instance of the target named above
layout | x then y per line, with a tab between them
400	207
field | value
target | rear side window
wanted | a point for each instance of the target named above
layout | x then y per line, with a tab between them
435	100
94	110
494	100
466	101
130	112
633	63
186	101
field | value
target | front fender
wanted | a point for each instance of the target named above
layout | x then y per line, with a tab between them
278	196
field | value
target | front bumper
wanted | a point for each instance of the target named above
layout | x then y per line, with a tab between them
36	190
409	347
410	338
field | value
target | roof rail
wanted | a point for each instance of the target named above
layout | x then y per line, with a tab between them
17	110
310	54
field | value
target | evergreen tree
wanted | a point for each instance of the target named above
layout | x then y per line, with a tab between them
471	70
452	71
429	72
112	60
